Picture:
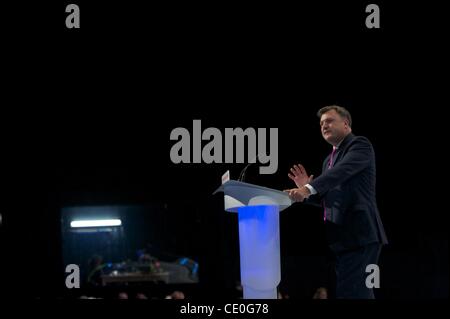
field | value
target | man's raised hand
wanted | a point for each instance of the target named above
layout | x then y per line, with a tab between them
299	176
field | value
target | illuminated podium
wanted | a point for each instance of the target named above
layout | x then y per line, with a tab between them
259	235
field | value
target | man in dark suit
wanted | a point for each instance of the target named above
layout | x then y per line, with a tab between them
346	192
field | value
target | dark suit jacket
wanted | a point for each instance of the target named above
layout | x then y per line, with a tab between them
347	190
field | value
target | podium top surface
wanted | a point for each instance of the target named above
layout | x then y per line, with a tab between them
248	185
239	194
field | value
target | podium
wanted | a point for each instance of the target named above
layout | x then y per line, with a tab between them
259	235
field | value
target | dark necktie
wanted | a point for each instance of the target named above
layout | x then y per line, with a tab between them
330	162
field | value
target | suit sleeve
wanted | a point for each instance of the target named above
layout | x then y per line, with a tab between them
357	158
314	200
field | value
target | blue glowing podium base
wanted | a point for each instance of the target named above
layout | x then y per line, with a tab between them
259	235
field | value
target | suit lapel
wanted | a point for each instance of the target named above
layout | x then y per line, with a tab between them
339	152
343	147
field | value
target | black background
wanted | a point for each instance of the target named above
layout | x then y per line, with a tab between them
86	117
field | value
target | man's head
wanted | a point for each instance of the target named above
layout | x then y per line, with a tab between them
335	123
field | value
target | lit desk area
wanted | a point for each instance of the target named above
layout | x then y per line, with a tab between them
135	277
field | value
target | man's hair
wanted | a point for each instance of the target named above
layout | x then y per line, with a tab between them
339	110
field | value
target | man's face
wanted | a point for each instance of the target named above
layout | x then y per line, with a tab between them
333	127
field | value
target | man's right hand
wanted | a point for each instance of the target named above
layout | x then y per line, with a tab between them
299	176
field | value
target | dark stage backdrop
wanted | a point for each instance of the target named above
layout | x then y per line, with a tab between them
88	117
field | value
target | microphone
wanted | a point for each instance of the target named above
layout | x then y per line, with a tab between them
242	175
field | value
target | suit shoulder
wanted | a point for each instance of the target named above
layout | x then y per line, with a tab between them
362	140
359	143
